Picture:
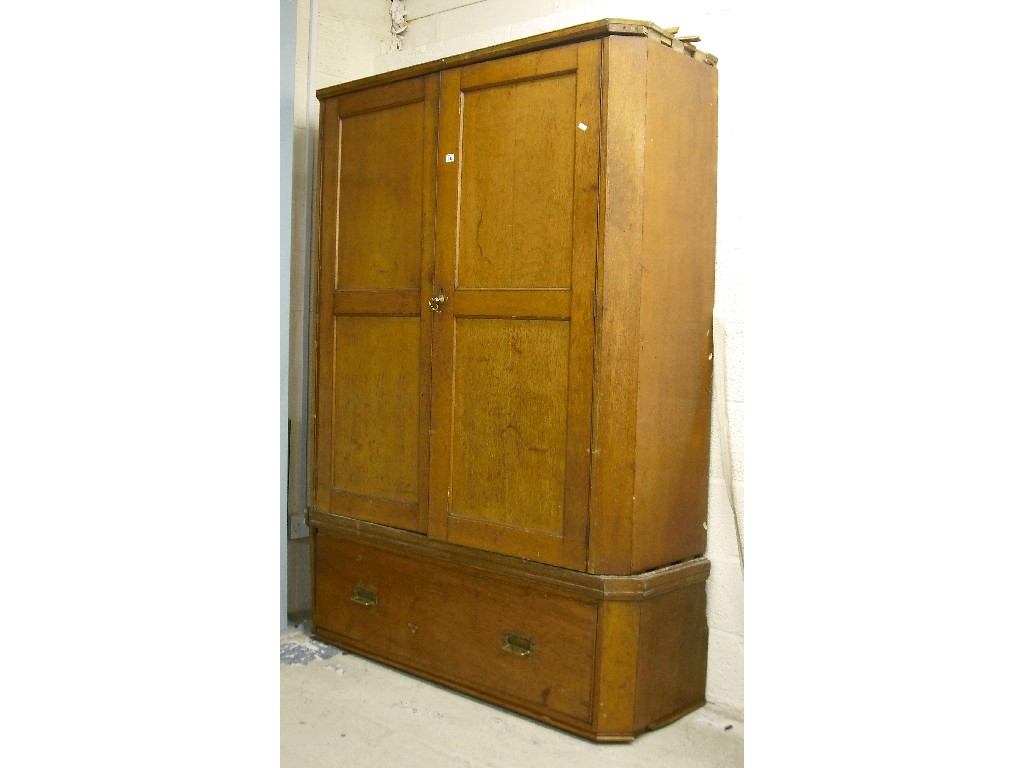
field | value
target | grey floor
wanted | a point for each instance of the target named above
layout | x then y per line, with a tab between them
339	709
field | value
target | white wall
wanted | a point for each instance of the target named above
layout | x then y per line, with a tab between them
353	40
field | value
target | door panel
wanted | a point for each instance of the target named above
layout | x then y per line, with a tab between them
508	438
517	186
380	237
376	245
376	406
513	342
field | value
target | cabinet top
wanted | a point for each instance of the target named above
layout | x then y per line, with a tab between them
588	31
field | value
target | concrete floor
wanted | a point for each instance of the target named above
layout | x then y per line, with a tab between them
339	709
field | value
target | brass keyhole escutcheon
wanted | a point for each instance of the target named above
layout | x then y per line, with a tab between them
436	302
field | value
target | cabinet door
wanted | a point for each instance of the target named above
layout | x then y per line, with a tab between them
513	341
376	243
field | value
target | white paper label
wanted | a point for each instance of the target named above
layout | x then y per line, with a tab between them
583	126
449	158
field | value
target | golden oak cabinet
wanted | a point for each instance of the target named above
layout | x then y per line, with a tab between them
512	369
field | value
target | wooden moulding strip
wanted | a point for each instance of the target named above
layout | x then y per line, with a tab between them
578	33
629	588
322	400
387	303
552	305
395	95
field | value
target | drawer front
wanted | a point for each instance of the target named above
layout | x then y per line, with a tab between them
505	639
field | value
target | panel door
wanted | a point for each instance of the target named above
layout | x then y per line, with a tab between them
516	254
376	243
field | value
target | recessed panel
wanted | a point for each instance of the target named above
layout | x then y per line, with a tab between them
380	237
376	406
509	431
516	198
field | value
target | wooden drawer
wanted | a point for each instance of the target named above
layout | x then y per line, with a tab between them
509	641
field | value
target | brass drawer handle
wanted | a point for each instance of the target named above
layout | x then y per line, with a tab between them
364	596
517	645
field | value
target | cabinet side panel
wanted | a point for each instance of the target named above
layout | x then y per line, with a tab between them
617	312
672	657
676	298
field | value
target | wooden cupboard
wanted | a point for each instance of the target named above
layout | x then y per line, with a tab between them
512	372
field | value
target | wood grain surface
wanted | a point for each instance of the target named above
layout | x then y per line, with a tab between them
373	347
512	359
512	371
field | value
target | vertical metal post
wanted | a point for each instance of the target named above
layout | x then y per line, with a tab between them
289	13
